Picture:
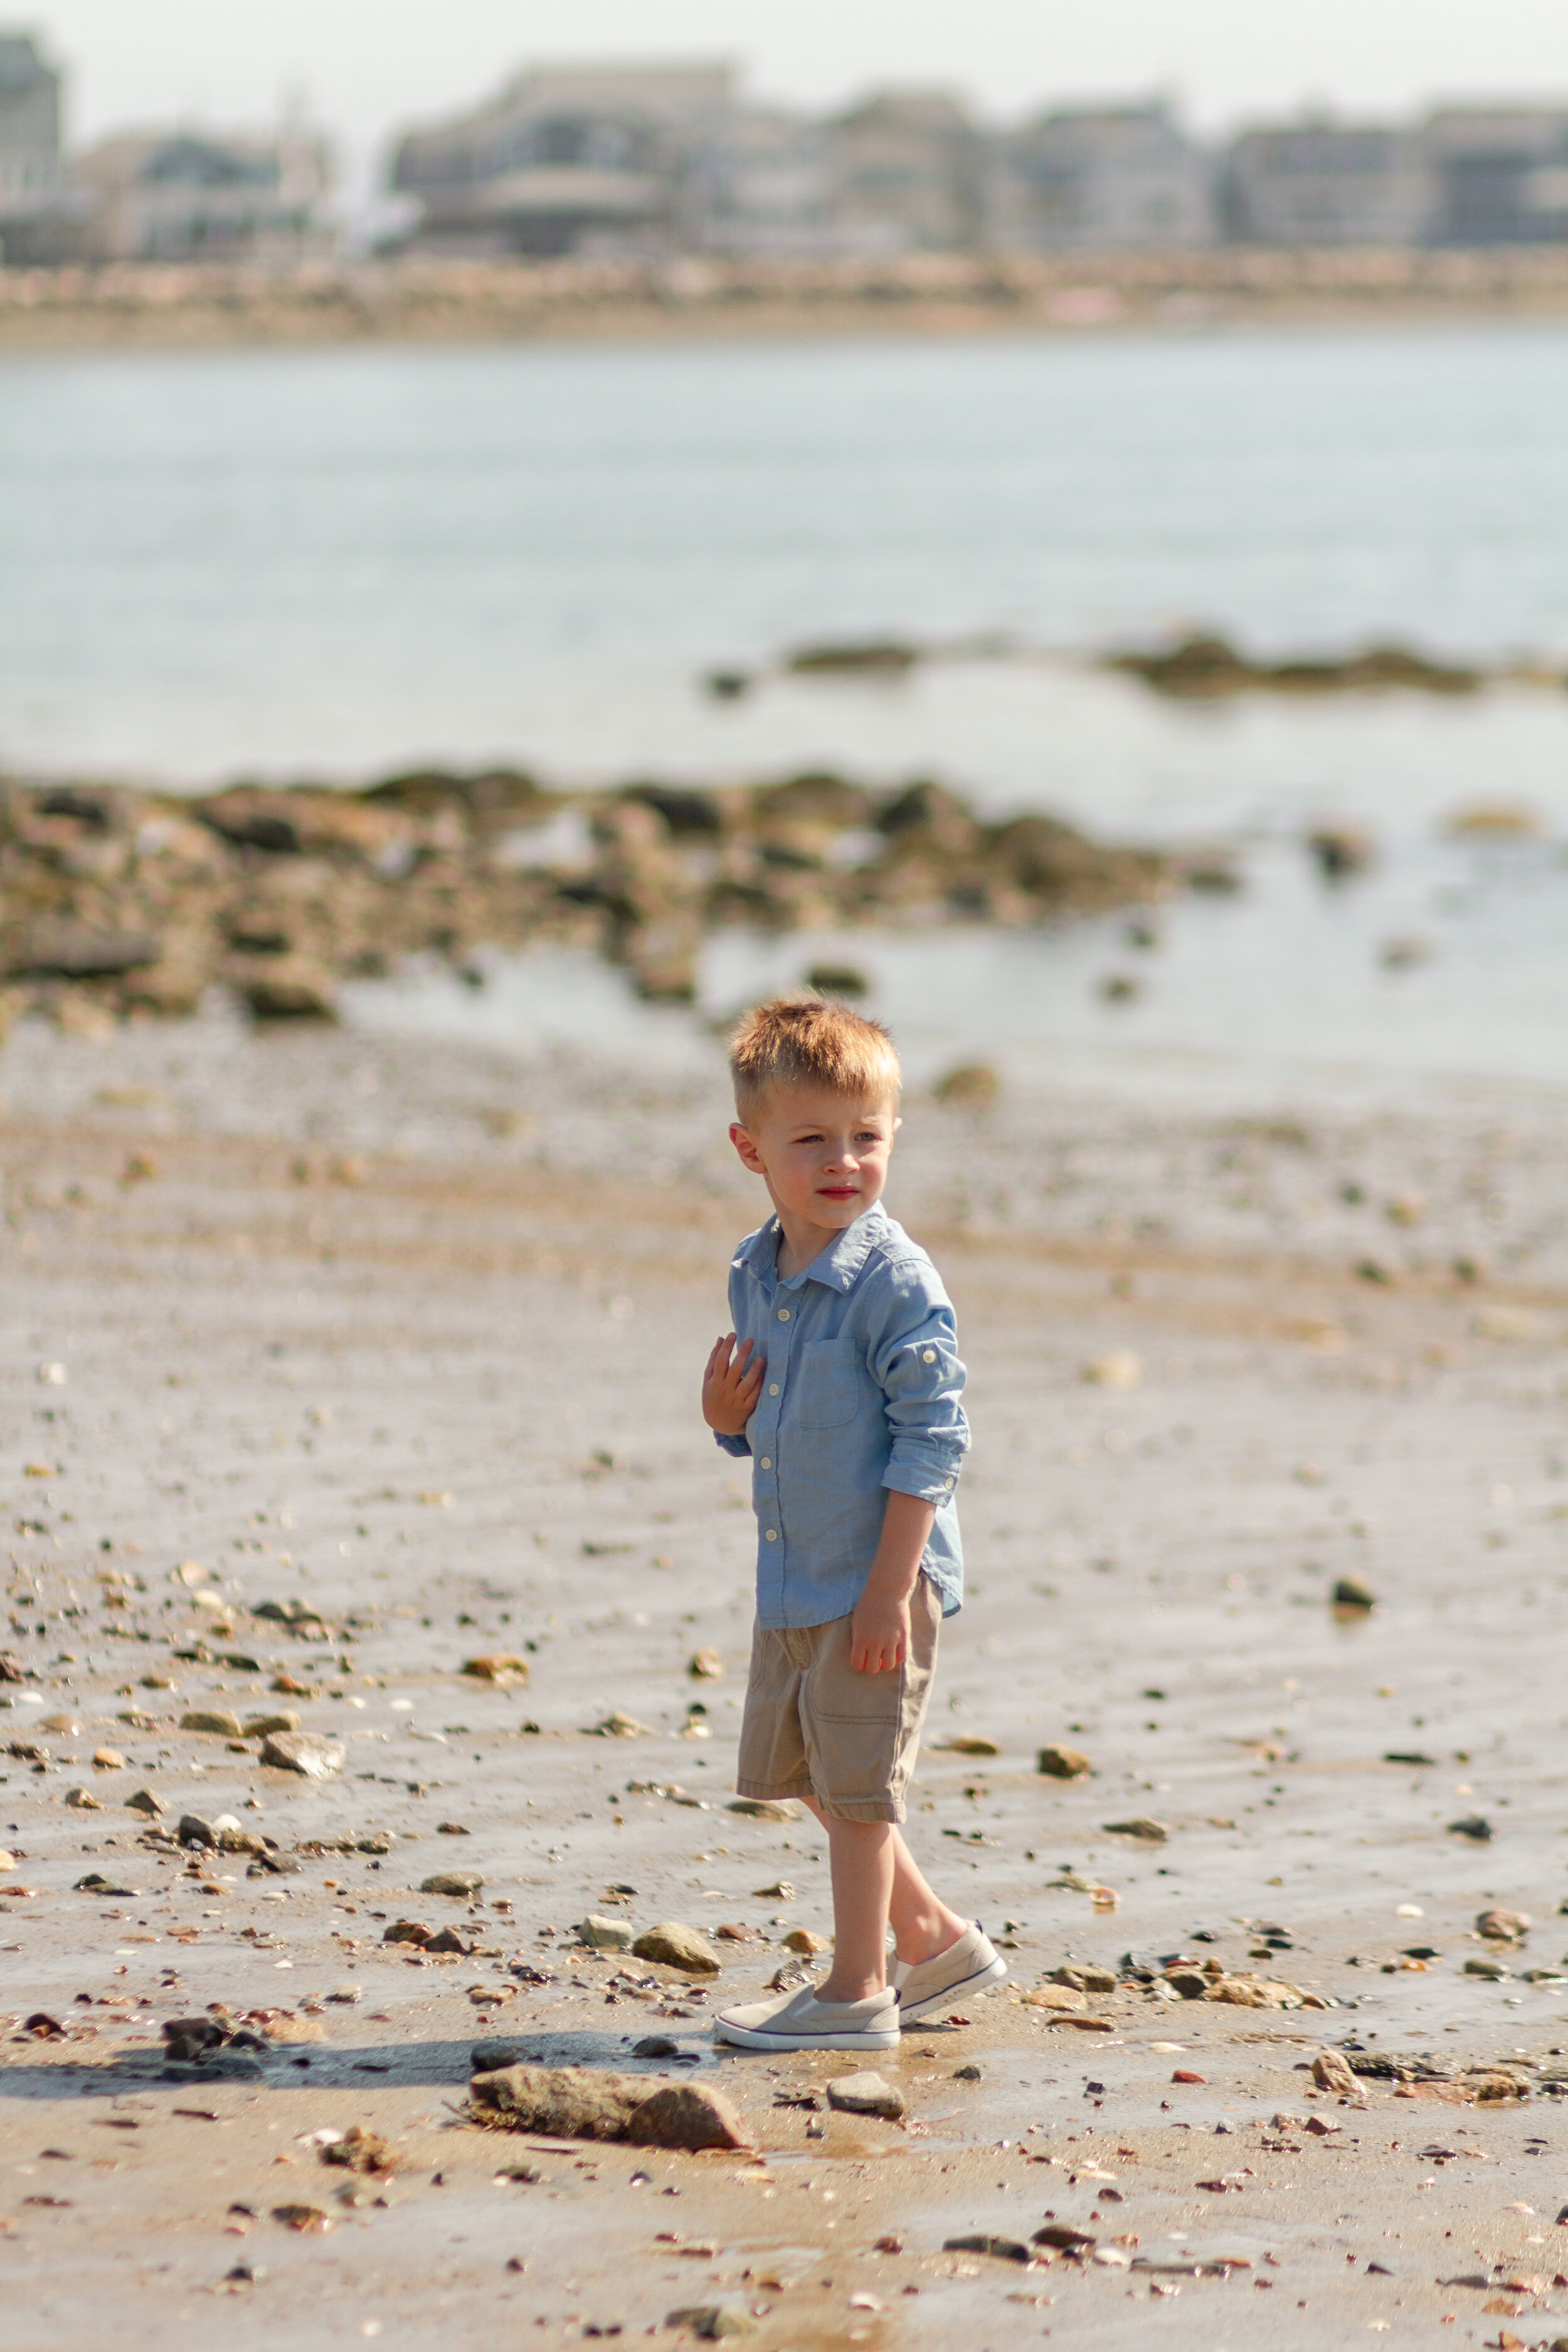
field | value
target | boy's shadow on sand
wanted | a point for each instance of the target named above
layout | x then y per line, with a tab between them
444	2065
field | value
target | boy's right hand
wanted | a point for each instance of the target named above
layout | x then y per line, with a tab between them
731	1385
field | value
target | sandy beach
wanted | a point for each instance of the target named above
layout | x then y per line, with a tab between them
333	1361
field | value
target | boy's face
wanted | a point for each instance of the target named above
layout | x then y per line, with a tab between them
823	1155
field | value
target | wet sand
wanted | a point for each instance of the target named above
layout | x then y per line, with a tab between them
411	1334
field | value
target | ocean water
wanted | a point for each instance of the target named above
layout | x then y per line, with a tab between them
331	563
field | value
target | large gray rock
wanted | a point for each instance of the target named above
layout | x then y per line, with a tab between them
865	2095
306	1752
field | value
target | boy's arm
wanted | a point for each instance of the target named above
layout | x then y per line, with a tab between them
913	1357
879	1629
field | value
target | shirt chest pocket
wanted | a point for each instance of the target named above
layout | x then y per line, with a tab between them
827	1387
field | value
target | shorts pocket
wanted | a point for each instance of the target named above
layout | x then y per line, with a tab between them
826	1384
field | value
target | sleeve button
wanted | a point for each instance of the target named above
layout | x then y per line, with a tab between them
928	1355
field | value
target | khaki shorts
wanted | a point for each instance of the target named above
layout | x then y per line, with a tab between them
815	1727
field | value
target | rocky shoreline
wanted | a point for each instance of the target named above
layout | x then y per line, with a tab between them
117	902
429	300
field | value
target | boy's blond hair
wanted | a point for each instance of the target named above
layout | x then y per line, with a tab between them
810	1041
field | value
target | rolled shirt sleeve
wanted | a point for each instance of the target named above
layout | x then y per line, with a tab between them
913	1357
738	1446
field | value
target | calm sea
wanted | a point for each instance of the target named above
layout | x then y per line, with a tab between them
330	564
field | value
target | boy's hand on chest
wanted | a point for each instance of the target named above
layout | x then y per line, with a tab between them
731	1383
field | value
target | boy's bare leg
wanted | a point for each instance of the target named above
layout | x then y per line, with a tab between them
875	1882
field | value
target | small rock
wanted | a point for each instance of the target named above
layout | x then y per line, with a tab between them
656	2045
706	1665
407	1931
1063	1997
219	1722
1062	2237
1471	1825
604	1935
303	2218
1086	1979
973	1085
1063	1763
502	1666
1140	1826
711	2322
453	1829
305	1752
456	1883
1330	2071
1494	1971
966	1743
1503	1927
95	1883
966	2075
107	1759
7	1859
82	1800
804	1940
866	2093
1254	1993
1002	2250
762	1809
1119	1369
1191	1983
373	1842
347	1996
620	1725
447	1939
1351	1595
359	2150
678	1947
257	1727
781	1891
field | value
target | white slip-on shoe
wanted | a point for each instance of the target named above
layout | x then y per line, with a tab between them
798	2020
964	1968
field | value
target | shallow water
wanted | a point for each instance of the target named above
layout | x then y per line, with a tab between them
330	562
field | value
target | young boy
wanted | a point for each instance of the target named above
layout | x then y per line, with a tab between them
841	1380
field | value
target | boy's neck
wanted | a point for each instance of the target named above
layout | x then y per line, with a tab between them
801	1242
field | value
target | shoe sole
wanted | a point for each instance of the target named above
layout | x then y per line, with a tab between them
749	2037
993	1974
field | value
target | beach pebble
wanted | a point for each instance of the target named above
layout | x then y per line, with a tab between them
194	1831
7	1859
1084	1977
706	1665
1471	1825
407	1931
107	1759
1333	2072
1503	1927
82	1800
257	1727
1063	1763
604	1935
219	1722
966	1743
620	1725
1152	1832
1054	1995
1002	2250
656	2045
781	1891
866	2093
306	1752
762	1809
1119	1369
456	1883
148	1801
804	1940
1350	1593
678	1947
1494	1971
711	2322
501	1666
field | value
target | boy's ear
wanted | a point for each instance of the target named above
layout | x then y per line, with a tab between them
747	1150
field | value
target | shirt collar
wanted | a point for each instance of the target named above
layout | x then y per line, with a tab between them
835	1267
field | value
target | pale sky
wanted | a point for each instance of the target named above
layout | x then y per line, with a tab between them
366	67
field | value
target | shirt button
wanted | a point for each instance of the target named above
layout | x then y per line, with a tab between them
772	1534
768	1464
783	1314
928	1355
773	1388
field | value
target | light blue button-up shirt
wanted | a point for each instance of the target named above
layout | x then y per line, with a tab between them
861	1394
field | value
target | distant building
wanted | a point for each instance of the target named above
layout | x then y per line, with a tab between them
34	206
762	186
906	173
185	196
1327	183
1501	175
1100	178
595	159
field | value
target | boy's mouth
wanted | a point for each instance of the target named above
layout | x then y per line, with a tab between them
838	1192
